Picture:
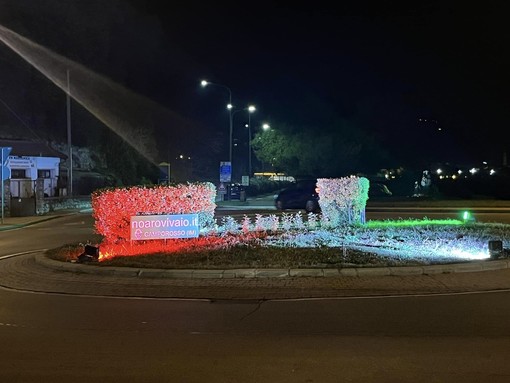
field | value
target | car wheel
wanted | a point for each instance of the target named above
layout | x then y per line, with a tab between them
311	206
279	205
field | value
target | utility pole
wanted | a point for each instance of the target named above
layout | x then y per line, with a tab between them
69	144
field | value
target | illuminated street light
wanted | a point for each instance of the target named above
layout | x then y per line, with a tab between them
265	127
251	109
205	83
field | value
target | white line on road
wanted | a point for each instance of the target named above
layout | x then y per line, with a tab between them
22	253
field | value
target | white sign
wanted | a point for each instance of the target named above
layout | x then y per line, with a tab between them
145	227
20	163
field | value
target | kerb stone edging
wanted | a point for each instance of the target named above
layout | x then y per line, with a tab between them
474	266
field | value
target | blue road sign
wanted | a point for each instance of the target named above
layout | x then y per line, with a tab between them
6	150
6	172
225	171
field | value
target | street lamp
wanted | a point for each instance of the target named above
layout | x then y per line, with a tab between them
265	127
251	109
69	144
205	83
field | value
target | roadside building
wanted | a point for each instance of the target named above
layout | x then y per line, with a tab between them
33	172
33	167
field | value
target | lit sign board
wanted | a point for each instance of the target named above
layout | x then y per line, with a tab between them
171	226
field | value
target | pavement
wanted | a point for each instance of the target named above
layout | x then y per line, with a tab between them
35	272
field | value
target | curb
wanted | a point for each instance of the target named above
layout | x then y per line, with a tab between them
38	219
477	266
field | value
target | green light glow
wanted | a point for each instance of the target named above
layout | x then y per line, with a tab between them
412	222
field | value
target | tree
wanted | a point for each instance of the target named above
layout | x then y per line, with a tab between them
272	147
339	150
124	163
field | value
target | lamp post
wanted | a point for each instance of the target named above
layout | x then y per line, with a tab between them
251	109
69	144
205	83
265	127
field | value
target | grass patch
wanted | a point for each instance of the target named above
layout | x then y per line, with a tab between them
245	257
376	244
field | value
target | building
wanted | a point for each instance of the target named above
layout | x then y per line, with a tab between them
33	169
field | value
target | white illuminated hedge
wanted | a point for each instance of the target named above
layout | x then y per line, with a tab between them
343	200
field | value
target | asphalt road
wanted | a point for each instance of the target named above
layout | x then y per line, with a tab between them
81	327
447	338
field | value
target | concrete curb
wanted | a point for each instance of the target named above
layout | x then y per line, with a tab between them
476	266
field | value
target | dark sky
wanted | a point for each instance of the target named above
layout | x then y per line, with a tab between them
387	65
383	62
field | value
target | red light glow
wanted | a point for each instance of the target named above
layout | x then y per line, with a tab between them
113	208
176	246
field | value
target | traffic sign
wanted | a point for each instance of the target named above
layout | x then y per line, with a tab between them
5	171
225	171
6	150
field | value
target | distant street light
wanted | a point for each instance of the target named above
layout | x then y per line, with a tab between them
251	109
265	127
205	83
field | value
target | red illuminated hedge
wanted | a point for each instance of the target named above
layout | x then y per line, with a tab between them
113	208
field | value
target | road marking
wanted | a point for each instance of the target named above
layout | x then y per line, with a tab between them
22	253
392	296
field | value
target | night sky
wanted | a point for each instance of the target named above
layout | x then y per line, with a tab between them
421	77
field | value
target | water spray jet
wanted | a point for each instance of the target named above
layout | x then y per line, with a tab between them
121	110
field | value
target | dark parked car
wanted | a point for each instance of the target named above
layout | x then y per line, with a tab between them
236	191
303	195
